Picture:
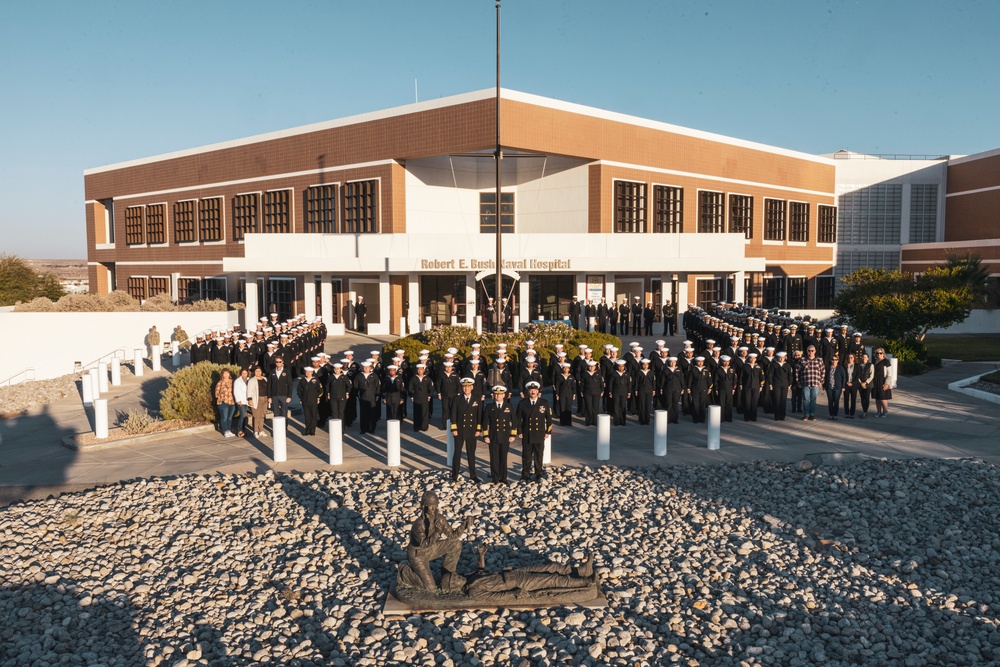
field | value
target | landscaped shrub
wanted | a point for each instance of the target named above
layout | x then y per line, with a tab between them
118	302
907	350
190	392
135	421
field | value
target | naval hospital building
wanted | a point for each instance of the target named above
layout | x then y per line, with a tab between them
399	206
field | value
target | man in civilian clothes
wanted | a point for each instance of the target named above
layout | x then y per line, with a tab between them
500	429
279	383
368	388
534	419
465	428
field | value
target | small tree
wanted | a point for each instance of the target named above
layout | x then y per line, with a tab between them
897	306
20	282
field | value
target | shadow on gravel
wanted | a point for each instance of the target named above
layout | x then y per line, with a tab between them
890	573
59	624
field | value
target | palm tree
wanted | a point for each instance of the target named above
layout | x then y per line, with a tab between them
969	270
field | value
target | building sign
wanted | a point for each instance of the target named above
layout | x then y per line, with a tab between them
491	264
595	288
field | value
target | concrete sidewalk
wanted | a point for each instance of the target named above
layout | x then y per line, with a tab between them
926	420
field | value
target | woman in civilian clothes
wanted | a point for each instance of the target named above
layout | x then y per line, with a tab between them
882	384
865	377
225	402
836	380
564	391
850	386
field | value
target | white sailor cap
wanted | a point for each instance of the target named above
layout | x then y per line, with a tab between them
476	345
425	351
558	346
499	389
449	354
614	349
473	360
530	358
532	385
529	342
502	345
607	346
452	350
586	350
699	358
393	367
308	369
348	353
782	354
710	341
316	358
742	347
421	365
399	352
583	346
367	362
448	364
663	350
828	330
560	354
661	343
591	363
633	344
565	365
338	365
501	360
689	342
674	359
752	354
769	348
620	362
644	360
724	357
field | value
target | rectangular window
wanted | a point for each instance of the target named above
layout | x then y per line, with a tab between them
923	213
797	293
668	209
210	219
751	291
184	224
361	207
709	291
213	288
488	212
159	286
156	224
137	287
188	290
825	287
134	225
871	215
774	292
321	209
277	215
630	207
741	215
799	231
827	224
245	215
775	214
711	212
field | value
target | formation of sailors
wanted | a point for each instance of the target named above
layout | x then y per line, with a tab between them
295	341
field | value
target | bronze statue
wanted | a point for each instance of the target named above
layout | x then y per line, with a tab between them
432	537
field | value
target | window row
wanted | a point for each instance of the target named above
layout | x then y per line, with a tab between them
188	289
784	293
270	212
783	220
144	287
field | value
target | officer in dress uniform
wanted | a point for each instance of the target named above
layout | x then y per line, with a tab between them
500	430
465	428
309	391
534	418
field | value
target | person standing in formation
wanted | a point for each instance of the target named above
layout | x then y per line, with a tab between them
466	427
534	418
564	391
499	432
393	393
421	395
360	310
309	390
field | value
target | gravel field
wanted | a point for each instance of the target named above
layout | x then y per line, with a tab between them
21	397
878	563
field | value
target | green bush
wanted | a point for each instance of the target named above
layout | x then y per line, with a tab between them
190	392
906	350
594	340
912	367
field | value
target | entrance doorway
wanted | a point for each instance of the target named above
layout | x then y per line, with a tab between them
625	290
371	293
441	297
280	297
486	290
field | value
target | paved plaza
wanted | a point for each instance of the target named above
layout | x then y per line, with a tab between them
926	420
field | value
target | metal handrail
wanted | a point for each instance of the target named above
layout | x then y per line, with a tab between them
119	354
10	381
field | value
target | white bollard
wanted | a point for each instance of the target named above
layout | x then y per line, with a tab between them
479	324
336	427
175	353
603	437
280	446
591	324
660	432
102	377
517	323
88	390
402	326
714	426
95	383
392	443
454	320
547	450
116	372
137	362
894	365
101	418
449	444
428	323
157	353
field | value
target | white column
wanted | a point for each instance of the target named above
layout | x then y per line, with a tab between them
116	372
523	292
157	352
175	353
101	418
87	385
894	367
174	277
280	446
454	320
138	362
516	323
470	299
479	325
449	444
402	327
428	323
95	383
682	300
603	437
309	296
250	313
739	291
714	426
102	377
413	289
392	443
326	299
385	314
336	427
547	449
660	433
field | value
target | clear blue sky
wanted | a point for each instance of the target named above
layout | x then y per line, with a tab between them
86	84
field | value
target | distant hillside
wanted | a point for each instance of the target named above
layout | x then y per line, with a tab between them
65	269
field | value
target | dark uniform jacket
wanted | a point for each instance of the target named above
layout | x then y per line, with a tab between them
500	423
465	416
535	421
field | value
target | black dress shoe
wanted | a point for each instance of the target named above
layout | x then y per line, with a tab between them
476	480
